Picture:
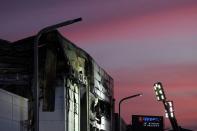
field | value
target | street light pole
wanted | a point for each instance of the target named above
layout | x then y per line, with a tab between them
36	67
123	99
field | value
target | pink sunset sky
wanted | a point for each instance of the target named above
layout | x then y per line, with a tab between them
138	42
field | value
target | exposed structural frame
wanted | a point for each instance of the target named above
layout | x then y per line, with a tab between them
36	67
168	105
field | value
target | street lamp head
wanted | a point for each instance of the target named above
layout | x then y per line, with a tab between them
140	94
158	88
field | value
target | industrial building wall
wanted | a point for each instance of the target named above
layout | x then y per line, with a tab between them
102	90
54	120
13	112
95	90
81	101
65	116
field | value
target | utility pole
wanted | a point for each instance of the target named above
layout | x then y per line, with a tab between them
36	67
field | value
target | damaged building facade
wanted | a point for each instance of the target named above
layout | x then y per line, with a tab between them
75	93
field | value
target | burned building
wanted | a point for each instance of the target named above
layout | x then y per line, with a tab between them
75	93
